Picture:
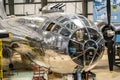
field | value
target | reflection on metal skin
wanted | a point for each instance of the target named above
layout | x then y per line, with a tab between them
61	42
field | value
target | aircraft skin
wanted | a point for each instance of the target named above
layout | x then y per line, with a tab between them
64	43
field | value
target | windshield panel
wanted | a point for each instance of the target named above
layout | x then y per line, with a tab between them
65	32
84	21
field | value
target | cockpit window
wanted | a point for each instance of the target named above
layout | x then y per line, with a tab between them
73	17
93	25
71	25
45	25
56	28
49	28
64	20
84	21
65	32
59	18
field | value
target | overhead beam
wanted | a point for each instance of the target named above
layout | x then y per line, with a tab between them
11	7
49	2
85	8
29	1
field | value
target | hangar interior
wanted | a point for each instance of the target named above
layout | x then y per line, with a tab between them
53	46
32	6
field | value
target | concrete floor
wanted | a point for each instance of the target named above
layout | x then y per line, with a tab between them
101	71
24	75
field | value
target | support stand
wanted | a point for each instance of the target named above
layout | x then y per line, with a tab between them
117	58
117	62
86	75
117	49
39	73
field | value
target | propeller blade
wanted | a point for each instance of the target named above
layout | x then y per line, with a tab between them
110	43
108	11
110	55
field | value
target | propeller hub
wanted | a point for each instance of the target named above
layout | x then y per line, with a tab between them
110	33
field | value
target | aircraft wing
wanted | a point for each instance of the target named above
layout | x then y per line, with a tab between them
29	53
22	37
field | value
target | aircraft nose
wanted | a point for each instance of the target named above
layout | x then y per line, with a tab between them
86	47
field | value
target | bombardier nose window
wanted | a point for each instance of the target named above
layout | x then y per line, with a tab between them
84	47
80	35
94	34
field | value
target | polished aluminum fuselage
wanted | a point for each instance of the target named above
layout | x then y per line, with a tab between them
68	40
